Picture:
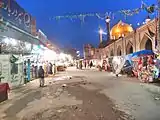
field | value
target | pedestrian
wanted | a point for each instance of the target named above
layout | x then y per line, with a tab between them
91	64
80	64
77	64
85	64
41	76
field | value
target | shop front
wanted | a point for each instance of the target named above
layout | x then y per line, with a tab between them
17	38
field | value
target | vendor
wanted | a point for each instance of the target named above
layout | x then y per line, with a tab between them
140	64
150	60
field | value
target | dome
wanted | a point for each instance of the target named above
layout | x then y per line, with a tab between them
120	30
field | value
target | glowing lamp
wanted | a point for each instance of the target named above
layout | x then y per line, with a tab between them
101	31
108	19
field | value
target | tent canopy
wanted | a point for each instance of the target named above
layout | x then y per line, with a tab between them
139	54
142	53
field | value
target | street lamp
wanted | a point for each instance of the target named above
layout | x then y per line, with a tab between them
100	35
100	31
78	52
108	27
108	19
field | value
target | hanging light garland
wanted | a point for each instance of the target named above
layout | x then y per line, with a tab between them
149	9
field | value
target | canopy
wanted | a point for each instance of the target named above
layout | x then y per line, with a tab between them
135	55
142	53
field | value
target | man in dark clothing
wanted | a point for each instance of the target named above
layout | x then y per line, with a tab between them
41	76
85	64
91	64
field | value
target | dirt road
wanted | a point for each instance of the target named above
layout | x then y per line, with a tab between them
82	95
94	106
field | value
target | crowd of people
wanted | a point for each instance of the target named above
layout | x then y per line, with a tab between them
38	70
80	64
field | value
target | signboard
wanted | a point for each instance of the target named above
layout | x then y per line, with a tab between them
16	15
42	37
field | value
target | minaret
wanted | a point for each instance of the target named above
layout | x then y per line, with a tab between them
108	27
100	35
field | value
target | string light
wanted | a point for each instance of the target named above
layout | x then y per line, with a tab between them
102	16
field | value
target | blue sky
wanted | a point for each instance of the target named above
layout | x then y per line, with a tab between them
69	33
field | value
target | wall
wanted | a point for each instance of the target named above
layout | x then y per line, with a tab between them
137	40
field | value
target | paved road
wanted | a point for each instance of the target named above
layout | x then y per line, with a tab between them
125	94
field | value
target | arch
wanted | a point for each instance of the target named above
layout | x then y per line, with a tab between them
119	51
146	43
112	53
129	48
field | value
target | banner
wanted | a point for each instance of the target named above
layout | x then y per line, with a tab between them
15	15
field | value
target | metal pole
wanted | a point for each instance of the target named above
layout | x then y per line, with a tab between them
158	25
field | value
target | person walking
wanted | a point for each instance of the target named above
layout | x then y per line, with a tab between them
80	64
41	76
91	64
85	64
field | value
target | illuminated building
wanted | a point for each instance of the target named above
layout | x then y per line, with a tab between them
125	40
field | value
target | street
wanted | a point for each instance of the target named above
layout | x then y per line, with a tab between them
83	95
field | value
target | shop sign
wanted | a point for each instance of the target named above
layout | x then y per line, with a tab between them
42	37
16	15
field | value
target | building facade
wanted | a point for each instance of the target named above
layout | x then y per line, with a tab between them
125	40
20	44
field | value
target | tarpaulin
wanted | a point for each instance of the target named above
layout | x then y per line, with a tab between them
142	53
118	63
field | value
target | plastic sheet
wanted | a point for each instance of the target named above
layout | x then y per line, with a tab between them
118	63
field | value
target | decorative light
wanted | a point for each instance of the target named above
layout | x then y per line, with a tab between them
138	24
13	41
108	19
100	31
28	46
50	55
6	40
148	19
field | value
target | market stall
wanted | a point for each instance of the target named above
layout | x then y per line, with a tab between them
144	66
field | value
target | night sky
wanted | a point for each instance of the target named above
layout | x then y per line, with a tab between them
67	33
